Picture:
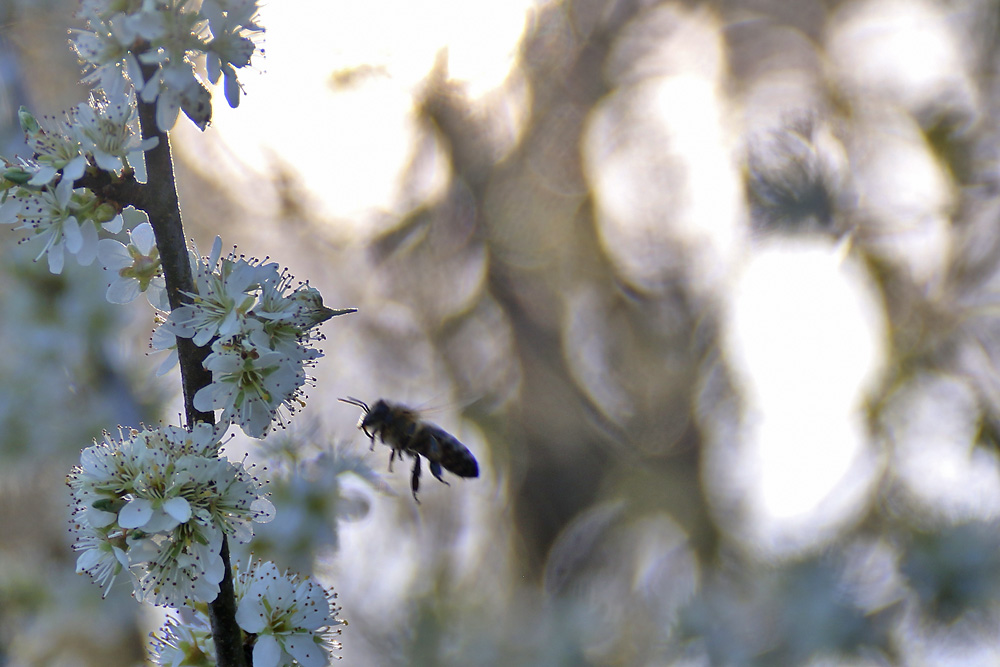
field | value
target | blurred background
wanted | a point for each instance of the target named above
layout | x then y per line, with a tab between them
709	289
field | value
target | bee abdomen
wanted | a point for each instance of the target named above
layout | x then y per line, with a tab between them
461	465
452	454
459	460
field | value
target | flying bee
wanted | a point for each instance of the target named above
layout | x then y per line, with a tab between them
402	429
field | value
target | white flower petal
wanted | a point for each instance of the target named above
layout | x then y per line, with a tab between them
142	237
72	234
134	71
88	559
136	513
43	175
87	252
251	616
213	257
64	190
218	396
230	325
160	522
312	615
122	291
255	419
156	294
9	210
114	225
75	168
266	652
113	254
99	519
167	364
178	508
263	510
56	258
107	162
213	64
232	88
223	363
305	650
167	110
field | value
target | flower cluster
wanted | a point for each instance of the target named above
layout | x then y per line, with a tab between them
159	504
290	621
261	329
40	195
155	503
167	37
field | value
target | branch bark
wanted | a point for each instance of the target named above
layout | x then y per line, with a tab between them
158	198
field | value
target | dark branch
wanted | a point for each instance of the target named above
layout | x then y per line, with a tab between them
159	199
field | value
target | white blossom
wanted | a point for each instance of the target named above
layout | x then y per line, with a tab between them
107	128
225	292
169	35
294	619
157	502
50	216
250	383
102	553
135	268
262	335
57	151
181	645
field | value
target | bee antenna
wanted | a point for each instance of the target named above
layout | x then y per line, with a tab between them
350	400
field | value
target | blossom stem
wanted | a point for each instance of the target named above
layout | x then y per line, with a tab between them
159	199
161	205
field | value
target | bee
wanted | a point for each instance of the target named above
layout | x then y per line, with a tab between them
402	429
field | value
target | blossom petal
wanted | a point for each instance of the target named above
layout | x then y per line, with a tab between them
87	560
72	234
45	174
114	225
232	88
74	168
136	513
9	210
316	612
178	508
304	649
113	254
88	244
142	237
99	518
106	161
251	616
56	259
266	652
156	294
122	291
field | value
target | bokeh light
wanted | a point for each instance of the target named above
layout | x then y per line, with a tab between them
708	288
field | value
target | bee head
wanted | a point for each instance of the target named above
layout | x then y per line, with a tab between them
373	418
376	416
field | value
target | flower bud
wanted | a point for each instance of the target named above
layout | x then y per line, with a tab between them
17	175
28	123
104	213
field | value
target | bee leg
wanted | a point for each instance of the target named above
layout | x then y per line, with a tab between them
436	471
415	478
392	457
